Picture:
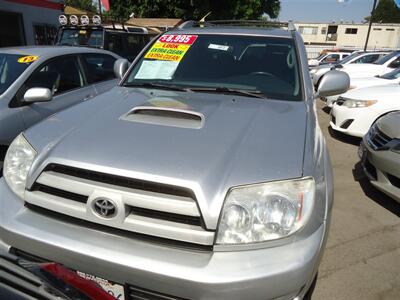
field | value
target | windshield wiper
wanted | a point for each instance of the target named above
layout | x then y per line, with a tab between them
150	85
225	90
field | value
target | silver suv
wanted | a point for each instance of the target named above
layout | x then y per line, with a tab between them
203	175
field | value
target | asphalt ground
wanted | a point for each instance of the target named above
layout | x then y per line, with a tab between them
362	257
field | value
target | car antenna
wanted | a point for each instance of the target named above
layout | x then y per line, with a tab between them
203	19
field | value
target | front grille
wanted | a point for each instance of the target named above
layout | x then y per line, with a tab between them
377	139
138	206
136	293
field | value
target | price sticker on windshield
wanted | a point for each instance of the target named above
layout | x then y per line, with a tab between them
27	59
171	47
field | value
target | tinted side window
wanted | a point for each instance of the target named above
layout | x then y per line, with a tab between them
114	43
135	44
367	59
59	75
99	67
395	64
331	58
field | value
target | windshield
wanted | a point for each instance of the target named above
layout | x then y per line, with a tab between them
391	75
82	37
349	58
11	67
386	58
321	56
263	65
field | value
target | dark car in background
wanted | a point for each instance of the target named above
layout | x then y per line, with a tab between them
126	41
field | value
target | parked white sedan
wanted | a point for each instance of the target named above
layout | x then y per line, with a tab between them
382	66
357	83
355	112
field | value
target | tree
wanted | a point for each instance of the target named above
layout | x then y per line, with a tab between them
85	5
386	12
194	9
272	8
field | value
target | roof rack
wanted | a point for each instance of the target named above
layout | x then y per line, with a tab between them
256	23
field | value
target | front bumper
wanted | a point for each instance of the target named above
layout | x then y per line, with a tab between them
282	271
360	120
383	170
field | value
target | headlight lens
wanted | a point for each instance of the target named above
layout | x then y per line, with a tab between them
264	212
350	103
18	162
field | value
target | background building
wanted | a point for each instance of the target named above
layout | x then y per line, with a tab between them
28	22
348	35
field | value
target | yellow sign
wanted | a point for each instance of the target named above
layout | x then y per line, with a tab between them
167	51
27	59
171	47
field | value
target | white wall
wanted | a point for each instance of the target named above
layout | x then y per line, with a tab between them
382	35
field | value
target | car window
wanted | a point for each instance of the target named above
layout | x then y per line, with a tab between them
99	67
349	57
134	44
395	64
114	42
82	37
59	75
266	64
331	58
367	59
391	75
11	67
386	58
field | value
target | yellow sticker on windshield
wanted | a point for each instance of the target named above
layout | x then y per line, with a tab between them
172	47
27	59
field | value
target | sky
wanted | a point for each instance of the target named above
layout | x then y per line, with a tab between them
325	10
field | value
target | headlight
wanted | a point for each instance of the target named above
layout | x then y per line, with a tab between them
350	103
264	212
313	71
18	162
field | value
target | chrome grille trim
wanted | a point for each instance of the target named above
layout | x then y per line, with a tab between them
168	216
377	139
133	197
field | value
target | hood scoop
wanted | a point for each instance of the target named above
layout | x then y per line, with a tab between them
165	116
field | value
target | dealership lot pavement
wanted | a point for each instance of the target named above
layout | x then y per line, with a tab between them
362	258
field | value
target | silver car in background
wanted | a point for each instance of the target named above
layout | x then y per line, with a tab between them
203	175
36	82
379	152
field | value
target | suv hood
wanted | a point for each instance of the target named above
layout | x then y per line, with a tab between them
240	141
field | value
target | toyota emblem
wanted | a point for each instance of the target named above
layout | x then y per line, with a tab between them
105	208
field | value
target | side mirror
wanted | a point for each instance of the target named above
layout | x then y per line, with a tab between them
333	83
37	94
120	67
